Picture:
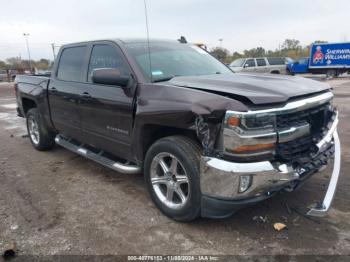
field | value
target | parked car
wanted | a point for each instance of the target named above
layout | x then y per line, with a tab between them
331	59
208	141
273	65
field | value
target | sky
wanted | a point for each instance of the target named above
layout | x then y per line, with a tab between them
241	24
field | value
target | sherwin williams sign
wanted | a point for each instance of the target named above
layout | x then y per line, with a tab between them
330	55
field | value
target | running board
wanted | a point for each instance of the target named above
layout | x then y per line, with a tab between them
97	157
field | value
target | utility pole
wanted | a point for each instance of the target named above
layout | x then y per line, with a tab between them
26	35
53	51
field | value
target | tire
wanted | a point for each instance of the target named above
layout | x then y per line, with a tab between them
289	72
331	73
184	203
41	137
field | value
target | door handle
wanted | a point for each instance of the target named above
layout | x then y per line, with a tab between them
85	96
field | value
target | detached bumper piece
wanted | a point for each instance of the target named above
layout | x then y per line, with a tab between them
321	210
224	191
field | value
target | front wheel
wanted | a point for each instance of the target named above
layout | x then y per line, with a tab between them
289	72
172	177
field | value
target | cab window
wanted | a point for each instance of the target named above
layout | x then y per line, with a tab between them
71	65
261	62
276	60
250	63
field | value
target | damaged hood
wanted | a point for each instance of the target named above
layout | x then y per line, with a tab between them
258	88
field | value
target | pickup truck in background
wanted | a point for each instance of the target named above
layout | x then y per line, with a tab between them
208	141
331	59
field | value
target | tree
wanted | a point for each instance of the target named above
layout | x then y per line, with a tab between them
236	55
14	62
42	64
220	53
3	65
289	44
255	52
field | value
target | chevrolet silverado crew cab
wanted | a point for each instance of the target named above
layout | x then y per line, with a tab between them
208	141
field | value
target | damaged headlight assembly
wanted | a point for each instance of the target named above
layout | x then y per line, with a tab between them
249	135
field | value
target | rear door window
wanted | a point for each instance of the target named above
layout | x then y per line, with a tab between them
261	62
275	60
250	63
107	56
71	64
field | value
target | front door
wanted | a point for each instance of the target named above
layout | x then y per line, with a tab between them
249	65
301	66
261	65
107	111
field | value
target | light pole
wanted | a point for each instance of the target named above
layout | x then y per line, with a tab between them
53	51
220	40
26	35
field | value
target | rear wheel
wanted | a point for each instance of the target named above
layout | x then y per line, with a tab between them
331	73
172	177
39	134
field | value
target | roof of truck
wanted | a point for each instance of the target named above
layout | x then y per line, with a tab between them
125	40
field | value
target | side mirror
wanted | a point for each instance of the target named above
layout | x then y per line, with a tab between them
246	65
109	76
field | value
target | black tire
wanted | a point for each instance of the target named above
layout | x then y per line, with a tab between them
187	152
46	138
276	72
331	73
289	72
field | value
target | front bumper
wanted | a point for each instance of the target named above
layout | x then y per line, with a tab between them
220	179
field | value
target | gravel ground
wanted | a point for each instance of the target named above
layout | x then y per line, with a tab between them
56	202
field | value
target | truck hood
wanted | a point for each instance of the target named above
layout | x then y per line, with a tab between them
258	88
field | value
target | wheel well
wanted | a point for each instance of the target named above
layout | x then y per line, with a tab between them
155	133
28	104
275	72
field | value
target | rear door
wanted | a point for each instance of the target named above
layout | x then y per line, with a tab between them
107	111
65	88
261	65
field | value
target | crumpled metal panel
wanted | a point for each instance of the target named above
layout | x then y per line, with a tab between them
176	107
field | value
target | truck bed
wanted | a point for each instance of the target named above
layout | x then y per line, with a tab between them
32	80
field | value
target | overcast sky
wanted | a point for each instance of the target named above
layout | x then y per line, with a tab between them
241	24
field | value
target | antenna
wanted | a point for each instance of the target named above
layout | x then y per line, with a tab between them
149	48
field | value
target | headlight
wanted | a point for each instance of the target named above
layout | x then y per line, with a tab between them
249	134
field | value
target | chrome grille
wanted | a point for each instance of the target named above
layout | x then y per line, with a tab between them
299	150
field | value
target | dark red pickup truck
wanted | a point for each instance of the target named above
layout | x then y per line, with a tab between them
208	141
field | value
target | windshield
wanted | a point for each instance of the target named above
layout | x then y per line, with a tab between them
169	59
237	63
303	60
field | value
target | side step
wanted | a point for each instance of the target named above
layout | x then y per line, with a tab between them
97	157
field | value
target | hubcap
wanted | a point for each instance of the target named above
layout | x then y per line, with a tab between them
169	180
33	130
